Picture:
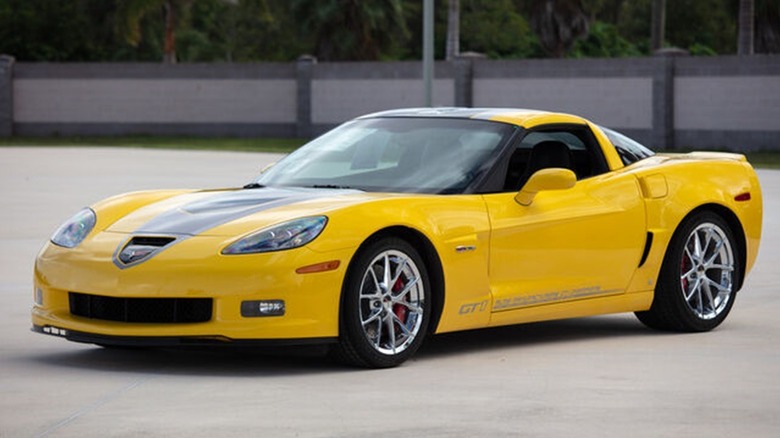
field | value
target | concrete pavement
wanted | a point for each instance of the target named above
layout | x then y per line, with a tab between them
601	377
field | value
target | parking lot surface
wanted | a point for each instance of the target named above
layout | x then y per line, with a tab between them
600	377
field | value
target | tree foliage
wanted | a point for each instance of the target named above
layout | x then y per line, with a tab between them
767	26
130	13
44	30
509	36
350	29
559	23
604	41
282	30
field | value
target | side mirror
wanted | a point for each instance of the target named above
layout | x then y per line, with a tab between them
546	179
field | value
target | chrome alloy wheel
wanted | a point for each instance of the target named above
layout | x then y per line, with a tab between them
391	302
707	271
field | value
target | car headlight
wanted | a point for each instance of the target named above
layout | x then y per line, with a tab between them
287	235
75	229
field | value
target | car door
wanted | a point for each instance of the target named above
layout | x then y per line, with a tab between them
574	244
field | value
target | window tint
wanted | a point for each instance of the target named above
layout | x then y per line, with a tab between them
630	150
403	154
572	147
571	140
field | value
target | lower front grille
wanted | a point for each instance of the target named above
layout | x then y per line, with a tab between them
153	310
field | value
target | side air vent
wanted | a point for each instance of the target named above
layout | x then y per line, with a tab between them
648	245
140	248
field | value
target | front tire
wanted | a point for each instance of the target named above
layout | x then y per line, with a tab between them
386	305
697	284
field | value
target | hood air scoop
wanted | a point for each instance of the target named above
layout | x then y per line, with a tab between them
139	248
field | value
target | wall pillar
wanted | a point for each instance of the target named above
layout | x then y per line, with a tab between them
463	82
663	97
663	102
6	95
464	78
304	72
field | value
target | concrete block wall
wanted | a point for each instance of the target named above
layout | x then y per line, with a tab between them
6	96
111	99
728	102
341	91
691	102
617	93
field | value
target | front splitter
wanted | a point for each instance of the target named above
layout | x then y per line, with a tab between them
173	341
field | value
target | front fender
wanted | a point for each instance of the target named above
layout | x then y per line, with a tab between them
457	227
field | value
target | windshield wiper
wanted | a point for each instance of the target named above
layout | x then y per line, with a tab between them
329	186
254	186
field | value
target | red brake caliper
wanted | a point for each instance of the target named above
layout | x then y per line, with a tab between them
399	309
683	269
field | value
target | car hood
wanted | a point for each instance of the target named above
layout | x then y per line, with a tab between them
231	212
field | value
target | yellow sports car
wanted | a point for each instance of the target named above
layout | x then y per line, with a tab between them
406	223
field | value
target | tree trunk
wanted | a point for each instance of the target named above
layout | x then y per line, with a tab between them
169	48
767	28
453	29
658	25
745	36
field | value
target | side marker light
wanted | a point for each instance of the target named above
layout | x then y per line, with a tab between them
742	197
319	267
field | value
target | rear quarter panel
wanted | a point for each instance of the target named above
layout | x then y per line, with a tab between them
675	185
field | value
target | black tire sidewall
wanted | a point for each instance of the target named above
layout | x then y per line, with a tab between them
352	333
669	284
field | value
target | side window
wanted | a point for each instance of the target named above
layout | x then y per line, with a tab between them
570	147
630	150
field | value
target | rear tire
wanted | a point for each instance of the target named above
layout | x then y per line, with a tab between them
696	287
386	306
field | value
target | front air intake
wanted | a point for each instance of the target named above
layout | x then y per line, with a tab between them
140	248
149	310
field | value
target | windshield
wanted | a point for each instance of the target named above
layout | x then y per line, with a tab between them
417	155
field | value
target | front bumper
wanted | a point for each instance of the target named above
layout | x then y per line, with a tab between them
192	271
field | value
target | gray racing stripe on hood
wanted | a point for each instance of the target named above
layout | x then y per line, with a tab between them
220	208
202	215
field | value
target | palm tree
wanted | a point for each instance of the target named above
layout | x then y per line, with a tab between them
745	36
453	29
767	26
658	24
559	23
351	29
131	12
